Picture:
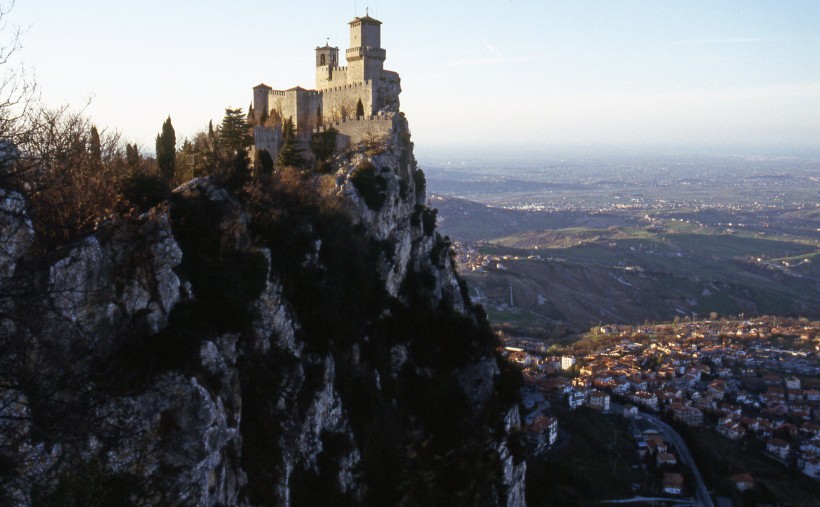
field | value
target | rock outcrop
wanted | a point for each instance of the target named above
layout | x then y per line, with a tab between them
301	340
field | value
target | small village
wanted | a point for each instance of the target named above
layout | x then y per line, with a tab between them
754	381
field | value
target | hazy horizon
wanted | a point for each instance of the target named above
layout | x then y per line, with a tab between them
521	154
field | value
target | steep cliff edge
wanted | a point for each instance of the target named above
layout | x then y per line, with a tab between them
292	340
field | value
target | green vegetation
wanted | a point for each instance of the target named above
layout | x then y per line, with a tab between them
166	151
323	145
95	145
224	278
264	162
144	190
420	182
596	463
371	185
234	132
132	155
645	273
290	154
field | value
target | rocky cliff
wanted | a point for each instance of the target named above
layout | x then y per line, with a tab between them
290	340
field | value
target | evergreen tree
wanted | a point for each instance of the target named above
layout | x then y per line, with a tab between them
132	155
235	133
251	118
290	154
265	162
94	146
166	151
360	108
323	145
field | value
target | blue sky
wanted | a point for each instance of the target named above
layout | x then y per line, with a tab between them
497	74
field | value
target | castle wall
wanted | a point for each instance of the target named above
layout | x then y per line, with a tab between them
267	138
329	77
300	105
357	130
340	101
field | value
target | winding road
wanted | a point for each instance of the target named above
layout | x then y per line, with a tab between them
672	436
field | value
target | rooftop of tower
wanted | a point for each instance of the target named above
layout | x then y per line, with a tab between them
358	19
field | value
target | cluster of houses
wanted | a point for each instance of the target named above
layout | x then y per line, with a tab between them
756	381
652	446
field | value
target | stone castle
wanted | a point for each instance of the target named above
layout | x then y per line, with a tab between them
358	100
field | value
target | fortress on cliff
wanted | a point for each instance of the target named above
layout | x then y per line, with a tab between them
358	100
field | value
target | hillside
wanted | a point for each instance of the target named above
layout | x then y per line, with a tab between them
554	272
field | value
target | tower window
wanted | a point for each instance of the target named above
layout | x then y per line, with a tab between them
321	59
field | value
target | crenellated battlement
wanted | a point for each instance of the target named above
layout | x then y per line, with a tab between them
386	118
350	86
284	93
360	53
353	130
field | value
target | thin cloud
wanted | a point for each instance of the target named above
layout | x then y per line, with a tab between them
492	48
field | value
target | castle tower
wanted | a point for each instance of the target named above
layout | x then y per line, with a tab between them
261	105
365	58
327	59
327	56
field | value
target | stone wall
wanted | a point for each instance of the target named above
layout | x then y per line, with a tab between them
267	138
340	102
328	77
353	130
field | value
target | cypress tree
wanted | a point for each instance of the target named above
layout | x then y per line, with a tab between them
166	151
94	146
132	155
265	162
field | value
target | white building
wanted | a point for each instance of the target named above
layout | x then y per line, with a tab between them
567	362
598	400
575	399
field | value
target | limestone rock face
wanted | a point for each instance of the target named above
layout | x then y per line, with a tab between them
16	233
399	220
207	353
104	279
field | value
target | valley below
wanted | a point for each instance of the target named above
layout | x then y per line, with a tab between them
563	246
